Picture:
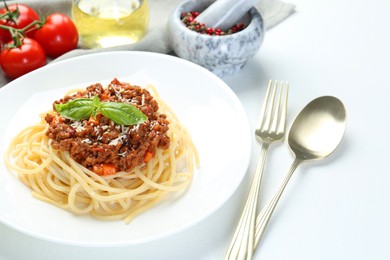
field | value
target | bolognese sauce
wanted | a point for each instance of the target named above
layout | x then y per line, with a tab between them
103	146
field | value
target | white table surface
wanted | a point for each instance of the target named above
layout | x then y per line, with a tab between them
335	209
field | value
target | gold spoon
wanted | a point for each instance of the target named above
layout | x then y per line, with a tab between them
314	134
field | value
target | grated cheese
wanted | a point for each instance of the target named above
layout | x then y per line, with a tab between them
86	141
117	140
135	128
122	154
78	126
152	125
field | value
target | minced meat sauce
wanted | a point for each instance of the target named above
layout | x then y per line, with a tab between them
99	142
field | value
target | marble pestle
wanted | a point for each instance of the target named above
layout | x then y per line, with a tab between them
224	14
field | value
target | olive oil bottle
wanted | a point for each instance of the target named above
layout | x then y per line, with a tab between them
106	23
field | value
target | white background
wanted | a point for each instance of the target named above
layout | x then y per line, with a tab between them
336	209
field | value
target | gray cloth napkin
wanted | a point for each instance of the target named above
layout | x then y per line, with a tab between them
155	40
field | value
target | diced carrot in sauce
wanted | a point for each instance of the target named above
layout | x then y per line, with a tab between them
104	97
58	120
94	120
148	156
104	169
97	149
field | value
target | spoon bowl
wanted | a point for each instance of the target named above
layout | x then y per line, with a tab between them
315	134
318	129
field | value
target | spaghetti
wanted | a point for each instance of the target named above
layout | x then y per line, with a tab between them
55	177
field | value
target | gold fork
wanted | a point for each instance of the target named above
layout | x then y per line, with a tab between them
271	128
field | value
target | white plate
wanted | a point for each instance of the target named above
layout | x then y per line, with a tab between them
202	101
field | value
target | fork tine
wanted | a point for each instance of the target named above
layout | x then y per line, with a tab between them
282	122
271	108
264	107
275	115
266	114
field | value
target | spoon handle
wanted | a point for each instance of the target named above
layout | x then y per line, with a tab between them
264	216
242	243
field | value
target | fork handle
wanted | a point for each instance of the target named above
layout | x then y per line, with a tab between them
264	216
242	243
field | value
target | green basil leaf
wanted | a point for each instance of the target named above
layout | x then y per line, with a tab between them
96	103
76	109
122	113
83	108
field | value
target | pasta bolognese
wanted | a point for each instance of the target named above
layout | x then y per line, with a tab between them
111	152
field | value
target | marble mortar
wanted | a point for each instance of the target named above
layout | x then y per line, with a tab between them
222	55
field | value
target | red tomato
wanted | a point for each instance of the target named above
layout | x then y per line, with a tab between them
26	16
58	35
16	62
